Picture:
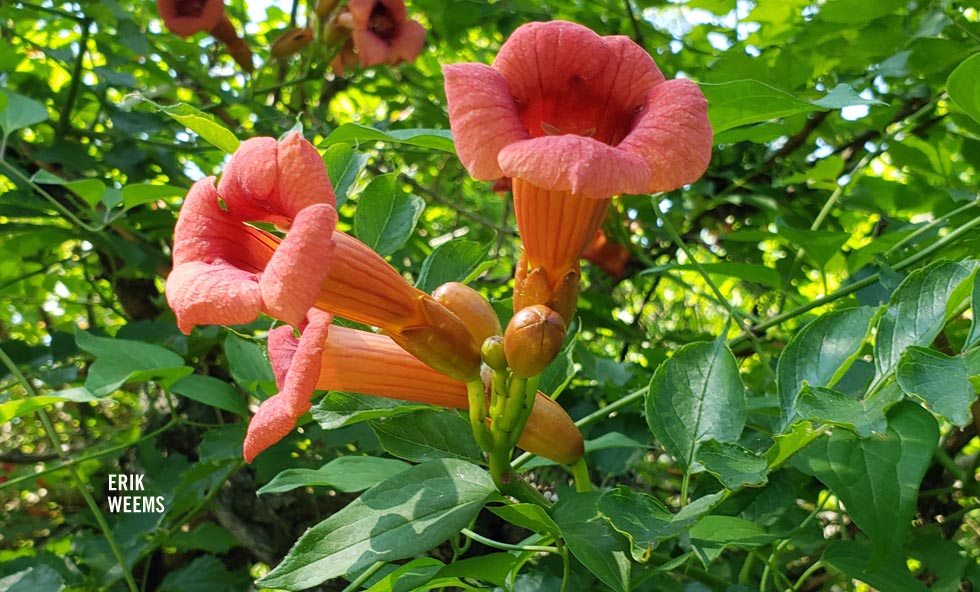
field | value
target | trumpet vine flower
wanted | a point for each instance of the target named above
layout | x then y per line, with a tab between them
381	33
226	271
574	119
368	363
187	17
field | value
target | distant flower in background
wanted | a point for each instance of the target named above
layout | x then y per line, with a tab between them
574	119
608	256
187	17
380	33
291	42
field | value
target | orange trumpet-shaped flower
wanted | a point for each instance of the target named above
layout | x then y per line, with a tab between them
574	119
227	271
186	17
371	364
382	33
608	256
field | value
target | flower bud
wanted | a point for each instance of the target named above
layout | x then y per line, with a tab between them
551	433
493	353
471	308
532	340
443	342
291	42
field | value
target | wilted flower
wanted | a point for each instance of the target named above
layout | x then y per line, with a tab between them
574	119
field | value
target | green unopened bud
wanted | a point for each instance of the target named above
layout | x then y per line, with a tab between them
532	340
471	308
493	353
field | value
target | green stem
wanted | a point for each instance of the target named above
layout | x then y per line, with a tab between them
805	575
357	582
580	471
76	79
35	187
478	414
507	546
685	483
76	476
862	283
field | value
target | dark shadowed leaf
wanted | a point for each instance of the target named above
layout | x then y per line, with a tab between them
591	539
450	262
121	361
865	417
212	391
427	435
733	465
339	409
939	380
347	474
852	559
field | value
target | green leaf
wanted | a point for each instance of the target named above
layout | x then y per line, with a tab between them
713	534
201	124
212	391
494	568
847	12
140	193
939	380
204	574
695	396
398	518
207	536
529	516
733	465
592	541
247	363
428	435
386	216
750	272
346	474
339	409
974	337
963	86
410	576
820	353
121	361
21	407
843	95
916	312
91	191
20	112
877	478
354	133
819	245
450	262
865	417
852	559
741	102
344	164
645	521
785	445
33	579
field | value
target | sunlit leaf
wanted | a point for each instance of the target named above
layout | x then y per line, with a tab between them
386	215
963	86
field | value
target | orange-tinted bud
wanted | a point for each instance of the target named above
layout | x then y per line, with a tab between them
493	353
551	433
471	308
443	342
345	20
325	7
291	42
532	340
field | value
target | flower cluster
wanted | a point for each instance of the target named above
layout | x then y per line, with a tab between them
227	270
568	118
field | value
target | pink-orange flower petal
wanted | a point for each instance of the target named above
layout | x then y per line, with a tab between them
483	115
277	415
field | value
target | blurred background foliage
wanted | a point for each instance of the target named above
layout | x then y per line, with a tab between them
845	161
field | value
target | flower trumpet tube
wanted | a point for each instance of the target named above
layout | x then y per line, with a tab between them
187	17
574	119
372	364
